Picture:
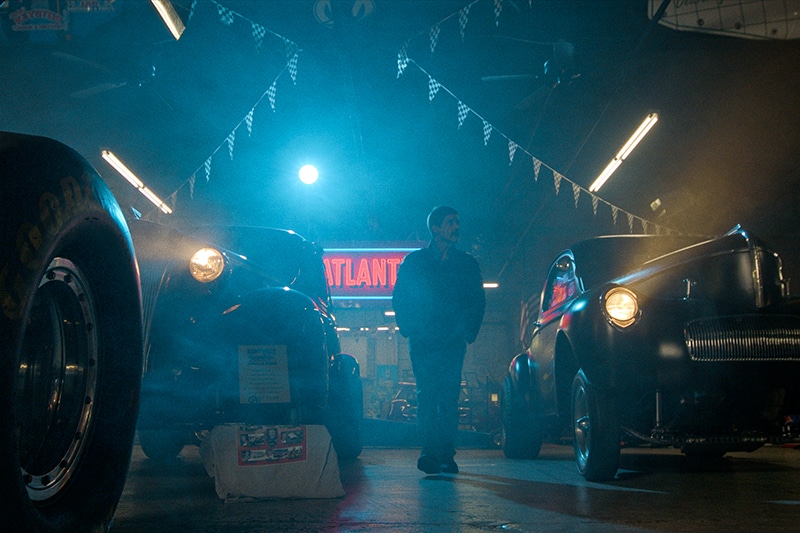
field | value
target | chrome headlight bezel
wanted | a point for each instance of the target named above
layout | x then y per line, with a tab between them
207	264
620	306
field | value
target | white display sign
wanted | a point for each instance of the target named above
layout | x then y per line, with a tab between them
263	374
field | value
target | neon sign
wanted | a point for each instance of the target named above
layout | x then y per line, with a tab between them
362	273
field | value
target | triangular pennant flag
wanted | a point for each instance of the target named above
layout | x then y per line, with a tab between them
225	15
595	201
576	193
207	166
271	92
614	213
630	223
191	10
463	111
258	32
191	186
402	61
173	199
231	139
248	120
537	166
644	226
557	180
487	132
463	18
512	149
434	35
433	88
293	68
498	7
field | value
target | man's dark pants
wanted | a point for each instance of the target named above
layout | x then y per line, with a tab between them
437	371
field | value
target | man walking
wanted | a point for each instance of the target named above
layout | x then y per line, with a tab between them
439	303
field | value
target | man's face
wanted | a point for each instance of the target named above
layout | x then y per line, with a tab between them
448	230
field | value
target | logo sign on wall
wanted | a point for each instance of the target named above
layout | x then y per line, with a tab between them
363	273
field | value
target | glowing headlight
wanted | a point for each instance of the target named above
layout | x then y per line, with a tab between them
620	306
207	264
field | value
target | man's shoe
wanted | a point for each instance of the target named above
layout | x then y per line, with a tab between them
429	464
450	467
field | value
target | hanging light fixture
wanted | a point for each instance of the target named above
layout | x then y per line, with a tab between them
134	180
649	121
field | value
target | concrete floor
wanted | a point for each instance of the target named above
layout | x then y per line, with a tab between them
656	490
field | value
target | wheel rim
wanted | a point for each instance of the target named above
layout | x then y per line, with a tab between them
581	425
57	379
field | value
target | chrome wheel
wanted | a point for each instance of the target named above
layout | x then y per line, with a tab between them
581	427
595	430
57	380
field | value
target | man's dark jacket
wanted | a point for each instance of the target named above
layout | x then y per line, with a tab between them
439	303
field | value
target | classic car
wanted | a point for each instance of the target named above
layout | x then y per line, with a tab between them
238	329
663	340
70	338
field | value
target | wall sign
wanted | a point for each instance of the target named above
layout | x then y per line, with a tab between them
363	273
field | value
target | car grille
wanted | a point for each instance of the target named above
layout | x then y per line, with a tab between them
744	338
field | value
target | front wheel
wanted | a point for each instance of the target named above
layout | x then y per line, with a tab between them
595	430
70	340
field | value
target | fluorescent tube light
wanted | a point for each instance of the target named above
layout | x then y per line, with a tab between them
170	17
120	167
134	180
649	121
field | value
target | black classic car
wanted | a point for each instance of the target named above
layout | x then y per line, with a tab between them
70	340
668	340
238	328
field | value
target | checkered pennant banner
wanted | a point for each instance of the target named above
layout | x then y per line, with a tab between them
191	185
512	149
463	18
271	92
258	32
433	88
487	132
595	202
576	193
463	111
248	120
630	222
434	35
557	180
225	15
231	140
537	166
207	167
292	66
614	213
498	8
402	61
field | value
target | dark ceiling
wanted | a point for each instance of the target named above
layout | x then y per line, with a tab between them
726	149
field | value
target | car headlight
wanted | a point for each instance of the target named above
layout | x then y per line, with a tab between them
206	265
621	306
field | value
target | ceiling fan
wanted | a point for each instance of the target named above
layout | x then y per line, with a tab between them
559	69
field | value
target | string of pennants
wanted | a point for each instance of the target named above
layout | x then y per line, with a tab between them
258	32
463	111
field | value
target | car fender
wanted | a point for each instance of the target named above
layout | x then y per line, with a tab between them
521	372
590	339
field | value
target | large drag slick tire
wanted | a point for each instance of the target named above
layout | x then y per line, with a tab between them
70	340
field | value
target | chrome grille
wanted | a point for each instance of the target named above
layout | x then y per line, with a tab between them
744	338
